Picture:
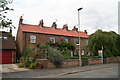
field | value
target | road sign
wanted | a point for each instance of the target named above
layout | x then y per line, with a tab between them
100	53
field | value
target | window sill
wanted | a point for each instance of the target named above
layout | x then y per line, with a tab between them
32	43
77	44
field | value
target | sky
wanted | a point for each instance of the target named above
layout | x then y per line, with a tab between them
96	14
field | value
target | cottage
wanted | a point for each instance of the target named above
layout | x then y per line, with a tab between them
33	34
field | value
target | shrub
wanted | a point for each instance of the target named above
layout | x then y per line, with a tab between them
33	65
27	63
55	56
22	59
75	57
21	65
66	54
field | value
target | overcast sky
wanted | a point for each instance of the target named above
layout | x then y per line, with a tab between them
96	14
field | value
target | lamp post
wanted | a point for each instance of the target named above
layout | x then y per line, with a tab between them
102	56
80	60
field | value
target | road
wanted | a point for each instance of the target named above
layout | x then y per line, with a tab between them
92	71
101	73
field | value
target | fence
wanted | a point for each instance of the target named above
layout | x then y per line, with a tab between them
75	62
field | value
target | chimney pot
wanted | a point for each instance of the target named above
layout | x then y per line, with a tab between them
85	31
54	25
41	23
75	29
21	20
65	27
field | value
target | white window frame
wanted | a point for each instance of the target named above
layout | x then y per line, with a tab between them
3	37
52	40
83	52
32	39
76	41
86	41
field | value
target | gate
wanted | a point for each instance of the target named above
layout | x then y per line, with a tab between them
84	62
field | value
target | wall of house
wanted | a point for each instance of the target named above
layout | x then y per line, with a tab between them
13	56
45	38
19	42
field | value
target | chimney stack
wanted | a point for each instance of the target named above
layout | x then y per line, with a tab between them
54	25
65	27
85	31
41	23
75	29
21	20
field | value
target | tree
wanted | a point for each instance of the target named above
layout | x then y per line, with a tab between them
4	21
108	40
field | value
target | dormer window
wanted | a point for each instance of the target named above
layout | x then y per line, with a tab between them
52	40
32	39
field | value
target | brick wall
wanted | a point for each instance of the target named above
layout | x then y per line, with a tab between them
75	62
19	42
13	56
50	65
45	38
70	63
95	61
67	63
112	60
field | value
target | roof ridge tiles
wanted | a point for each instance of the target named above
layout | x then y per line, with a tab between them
50	30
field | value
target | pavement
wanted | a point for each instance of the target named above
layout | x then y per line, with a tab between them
16	72
6	68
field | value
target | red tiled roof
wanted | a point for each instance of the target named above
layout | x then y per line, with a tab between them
50	30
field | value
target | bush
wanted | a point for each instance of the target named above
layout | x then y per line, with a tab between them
27	63
66	54
85	57
22	59
21	65
55	56
75	57
33	65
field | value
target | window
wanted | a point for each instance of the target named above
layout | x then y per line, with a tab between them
66	39
83	52
86	42
0	37
77	41
52	40
76	52
3	37
32	39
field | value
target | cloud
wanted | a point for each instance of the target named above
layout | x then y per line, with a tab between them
95	14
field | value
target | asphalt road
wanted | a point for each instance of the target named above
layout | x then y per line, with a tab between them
92	71
101	73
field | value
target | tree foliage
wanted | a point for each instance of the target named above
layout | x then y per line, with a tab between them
109	40
4	21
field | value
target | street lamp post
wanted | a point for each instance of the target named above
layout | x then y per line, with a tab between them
80	60
102	56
